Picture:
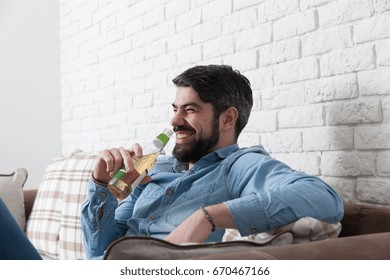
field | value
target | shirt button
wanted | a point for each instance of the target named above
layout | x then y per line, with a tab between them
153	217
96	227
102	194
169	191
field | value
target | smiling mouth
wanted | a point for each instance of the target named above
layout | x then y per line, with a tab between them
183	135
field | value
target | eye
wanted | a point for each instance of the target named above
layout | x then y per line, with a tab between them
190	110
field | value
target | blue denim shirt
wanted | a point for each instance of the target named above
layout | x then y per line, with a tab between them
260	192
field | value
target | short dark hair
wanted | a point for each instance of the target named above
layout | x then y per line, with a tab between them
221	86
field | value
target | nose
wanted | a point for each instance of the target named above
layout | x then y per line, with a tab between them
177	119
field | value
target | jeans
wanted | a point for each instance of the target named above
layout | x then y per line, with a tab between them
14	244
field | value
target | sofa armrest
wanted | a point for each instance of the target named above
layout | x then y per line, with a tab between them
362	247
29	198
364	219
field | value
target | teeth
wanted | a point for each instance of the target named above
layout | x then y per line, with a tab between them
182	135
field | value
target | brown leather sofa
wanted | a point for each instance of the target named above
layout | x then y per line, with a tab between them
365	235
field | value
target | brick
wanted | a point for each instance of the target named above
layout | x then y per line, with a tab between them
135	56
239	21
274	9
123	75
189	55
123	103
154	17
347	163
247	139
188	19
386	110
353	112
176	7
156	80
262	121
216	9
305	162
241	4
134	26
155	49
179	40
142	69
306	4
348	60
326	40
302	116
383	163
374	82
250	38
206	31
244	60
343	11
154	33
372	137
383	55
327	138
260	77
296	70
345	187
144	100
294	25
164	62
280	51
283	96
331	88
283	141
381	6
372	28
220	46
108	24
373	190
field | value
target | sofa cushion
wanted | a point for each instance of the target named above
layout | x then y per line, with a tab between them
11	192
149	248
54	223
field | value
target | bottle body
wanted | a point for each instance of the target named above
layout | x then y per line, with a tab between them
123	183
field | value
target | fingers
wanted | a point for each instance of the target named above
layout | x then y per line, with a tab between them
115	158
111	160
137	149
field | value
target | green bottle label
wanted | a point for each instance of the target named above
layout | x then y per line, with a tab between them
120	174
163	137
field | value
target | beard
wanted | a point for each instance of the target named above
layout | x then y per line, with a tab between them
194	151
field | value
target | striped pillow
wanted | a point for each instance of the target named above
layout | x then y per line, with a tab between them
54	223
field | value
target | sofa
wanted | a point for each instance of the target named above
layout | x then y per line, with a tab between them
52	223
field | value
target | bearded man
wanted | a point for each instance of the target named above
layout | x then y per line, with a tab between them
209	183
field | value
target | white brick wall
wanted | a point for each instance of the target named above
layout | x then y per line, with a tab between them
320	72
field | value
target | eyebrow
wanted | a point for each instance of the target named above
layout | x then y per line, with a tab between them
193	104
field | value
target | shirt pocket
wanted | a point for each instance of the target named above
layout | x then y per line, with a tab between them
152	191
198	192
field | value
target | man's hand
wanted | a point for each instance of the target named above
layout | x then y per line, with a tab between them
111	160
196	228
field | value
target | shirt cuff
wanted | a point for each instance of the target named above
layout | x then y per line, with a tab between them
249	215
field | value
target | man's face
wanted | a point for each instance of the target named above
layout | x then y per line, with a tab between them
197	132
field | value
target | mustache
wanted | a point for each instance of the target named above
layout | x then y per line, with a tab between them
183	128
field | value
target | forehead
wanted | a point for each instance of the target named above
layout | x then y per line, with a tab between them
187	95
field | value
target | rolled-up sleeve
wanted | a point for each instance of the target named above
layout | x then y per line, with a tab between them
267	194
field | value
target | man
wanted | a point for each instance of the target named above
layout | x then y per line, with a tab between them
209	184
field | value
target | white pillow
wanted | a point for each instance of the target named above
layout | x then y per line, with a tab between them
11	192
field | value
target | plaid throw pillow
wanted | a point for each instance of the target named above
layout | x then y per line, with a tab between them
54	224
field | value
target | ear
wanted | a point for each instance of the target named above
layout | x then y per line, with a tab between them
228	118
